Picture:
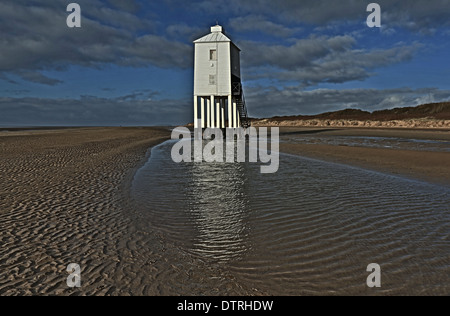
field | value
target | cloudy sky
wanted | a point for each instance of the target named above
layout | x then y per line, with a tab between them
131	61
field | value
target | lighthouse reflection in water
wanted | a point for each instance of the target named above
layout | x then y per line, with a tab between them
311	228
206	210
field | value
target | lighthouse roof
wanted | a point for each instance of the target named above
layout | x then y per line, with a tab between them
216	35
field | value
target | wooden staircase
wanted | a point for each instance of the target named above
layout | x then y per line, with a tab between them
238	94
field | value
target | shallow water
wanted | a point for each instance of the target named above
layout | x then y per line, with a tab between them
311	228
374	142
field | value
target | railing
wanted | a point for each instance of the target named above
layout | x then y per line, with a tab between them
243	115
238	92
236	88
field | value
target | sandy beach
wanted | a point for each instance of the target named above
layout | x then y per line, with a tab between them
61	203
65	199
422	165
119	175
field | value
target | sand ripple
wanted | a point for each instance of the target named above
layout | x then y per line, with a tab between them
64	200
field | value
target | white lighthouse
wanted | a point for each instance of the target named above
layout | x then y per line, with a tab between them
218	96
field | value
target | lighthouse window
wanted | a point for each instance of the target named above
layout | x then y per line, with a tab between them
212	79
213	54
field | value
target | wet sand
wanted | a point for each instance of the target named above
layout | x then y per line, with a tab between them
423	165
64	199
309	229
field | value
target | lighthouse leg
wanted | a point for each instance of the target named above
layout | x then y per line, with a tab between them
202	111
208	113
195	111
222	111
218	123
230	111
213	125
234	115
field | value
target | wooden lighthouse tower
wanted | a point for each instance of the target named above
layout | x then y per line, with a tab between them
218	95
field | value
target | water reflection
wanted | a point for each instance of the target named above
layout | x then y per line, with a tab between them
201	206
218	206
311	228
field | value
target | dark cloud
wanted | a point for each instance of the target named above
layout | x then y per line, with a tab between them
271	101
418	15
37	77
139	108
157	50
4	77
319	59
17	92
139	95
298	54
35	38
91	110
184	31
259	23
125	5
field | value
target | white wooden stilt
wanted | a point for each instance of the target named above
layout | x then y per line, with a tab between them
234	115
202	111
222	112
230	111
213	118
195	111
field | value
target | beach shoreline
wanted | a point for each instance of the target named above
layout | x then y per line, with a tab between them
62	202
419	165
66	199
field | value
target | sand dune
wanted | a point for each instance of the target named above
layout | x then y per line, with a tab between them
433	116
410	123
